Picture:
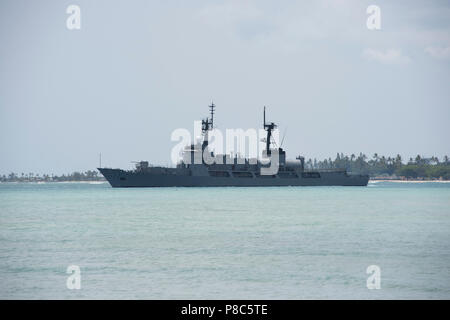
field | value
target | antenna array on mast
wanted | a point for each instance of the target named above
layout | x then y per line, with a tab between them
207	124
211	110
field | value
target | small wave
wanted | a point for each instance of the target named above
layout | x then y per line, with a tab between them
411	181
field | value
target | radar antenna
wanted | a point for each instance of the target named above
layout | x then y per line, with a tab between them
208	123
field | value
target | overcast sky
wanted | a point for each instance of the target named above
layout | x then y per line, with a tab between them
137	70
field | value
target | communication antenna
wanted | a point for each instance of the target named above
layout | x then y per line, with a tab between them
264	118
284	135
211	110
100	160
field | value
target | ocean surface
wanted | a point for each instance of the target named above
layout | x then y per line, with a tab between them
225	243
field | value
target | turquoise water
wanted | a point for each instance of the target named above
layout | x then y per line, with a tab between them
223	243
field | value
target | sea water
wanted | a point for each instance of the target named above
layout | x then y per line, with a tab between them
225	243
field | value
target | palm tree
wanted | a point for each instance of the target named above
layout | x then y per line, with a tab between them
375	157
418	159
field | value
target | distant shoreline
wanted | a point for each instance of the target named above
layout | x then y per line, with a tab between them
104	181
379	168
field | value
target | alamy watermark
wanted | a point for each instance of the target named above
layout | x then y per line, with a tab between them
74	280
374	20
374	280
73	22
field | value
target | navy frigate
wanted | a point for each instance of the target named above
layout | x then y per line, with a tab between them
196	171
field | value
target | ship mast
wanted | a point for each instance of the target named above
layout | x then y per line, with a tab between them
268	127
207	125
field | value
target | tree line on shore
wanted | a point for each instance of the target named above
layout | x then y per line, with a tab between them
419	167
89	175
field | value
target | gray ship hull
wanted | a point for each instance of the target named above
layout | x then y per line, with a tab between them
126	179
